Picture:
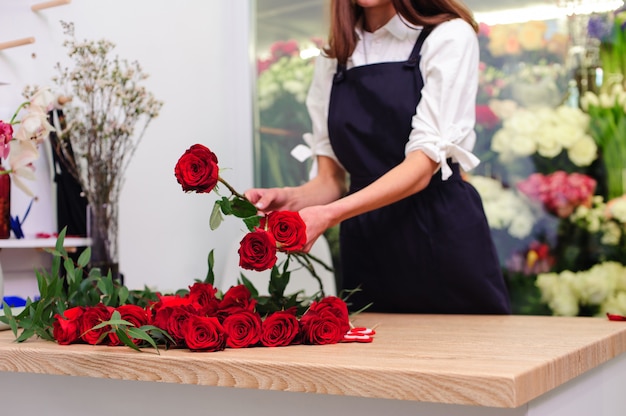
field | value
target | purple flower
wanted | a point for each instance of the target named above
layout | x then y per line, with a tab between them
599	27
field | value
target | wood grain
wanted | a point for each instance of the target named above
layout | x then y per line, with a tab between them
497	361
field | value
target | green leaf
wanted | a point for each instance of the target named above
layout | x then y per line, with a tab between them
152	328
210	275
278	282
248	284
26	334
123	295
121	334
139	333
85	256
60	239
252	222
216	217
68	264
226	206
242	208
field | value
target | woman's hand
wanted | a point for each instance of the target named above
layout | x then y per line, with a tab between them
267	200
317	221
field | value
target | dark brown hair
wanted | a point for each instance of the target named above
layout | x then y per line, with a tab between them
344	15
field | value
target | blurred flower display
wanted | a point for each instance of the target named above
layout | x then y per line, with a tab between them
553	151
284	77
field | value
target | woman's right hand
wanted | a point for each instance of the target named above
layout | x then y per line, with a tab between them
268	199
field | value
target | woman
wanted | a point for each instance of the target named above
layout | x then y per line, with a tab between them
392	104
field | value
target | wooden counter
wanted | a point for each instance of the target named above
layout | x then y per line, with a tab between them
491	361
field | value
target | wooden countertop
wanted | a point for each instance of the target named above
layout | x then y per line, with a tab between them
496	361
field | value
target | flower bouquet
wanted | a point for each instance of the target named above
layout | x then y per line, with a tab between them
81	306
21	149
107	117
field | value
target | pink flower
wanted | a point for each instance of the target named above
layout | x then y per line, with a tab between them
559	192
6	135
485	117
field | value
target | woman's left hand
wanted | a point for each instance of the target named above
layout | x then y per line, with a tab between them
317	221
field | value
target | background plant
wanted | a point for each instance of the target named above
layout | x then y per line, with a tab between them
107	117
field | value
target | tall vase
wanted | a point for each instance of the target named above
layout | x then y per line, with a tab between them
5	206
102	230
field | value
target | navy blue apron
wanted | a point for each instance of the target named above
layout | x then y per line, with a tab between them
431	252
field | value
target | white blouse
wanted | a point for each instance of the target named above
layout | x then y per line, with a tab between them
443	124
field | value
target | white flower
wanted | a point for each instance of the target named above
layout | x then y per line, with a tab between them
611	234
21	158
42	100
597	283
615	304
505	209
589	99
583	152
557	292
548	144
546	131
503	108
617	209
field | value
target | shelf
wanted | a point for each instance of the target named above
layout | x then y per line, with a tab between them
44	242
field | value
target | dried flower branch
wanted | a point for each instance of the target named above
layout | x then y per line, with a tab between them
106	119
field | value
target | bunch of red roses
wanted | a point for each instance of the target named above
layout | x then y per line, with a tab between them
201	321
197	171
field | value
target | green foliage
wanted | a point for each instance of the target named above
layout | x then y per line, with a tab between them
71	285
237	206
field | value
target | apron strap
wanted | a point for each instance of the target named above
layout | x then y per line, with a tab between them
415	53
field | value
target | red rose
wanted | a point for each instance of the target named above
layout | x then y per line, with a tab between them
288	230
162	309
202	298
91	317
257	251
134	314
237	298
243	329
320	329
205	334
66	327
177	320
334	306
197	169
280	329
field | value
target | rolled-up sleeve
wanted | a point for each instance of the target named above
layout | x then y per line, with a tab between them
443	126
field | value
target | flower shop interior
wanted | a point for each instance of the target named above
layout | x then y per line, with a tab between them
233	75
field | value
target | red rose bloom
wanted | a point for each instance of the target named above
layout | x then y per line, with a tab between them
257	251
177	320
237	298
162	309
66	327
91	317
280	329
320	329
134	314
334	306
202	298
288	230
205	334
243	329
197	169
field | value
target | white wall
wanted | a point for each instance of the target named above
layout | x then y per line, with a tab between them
198	54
